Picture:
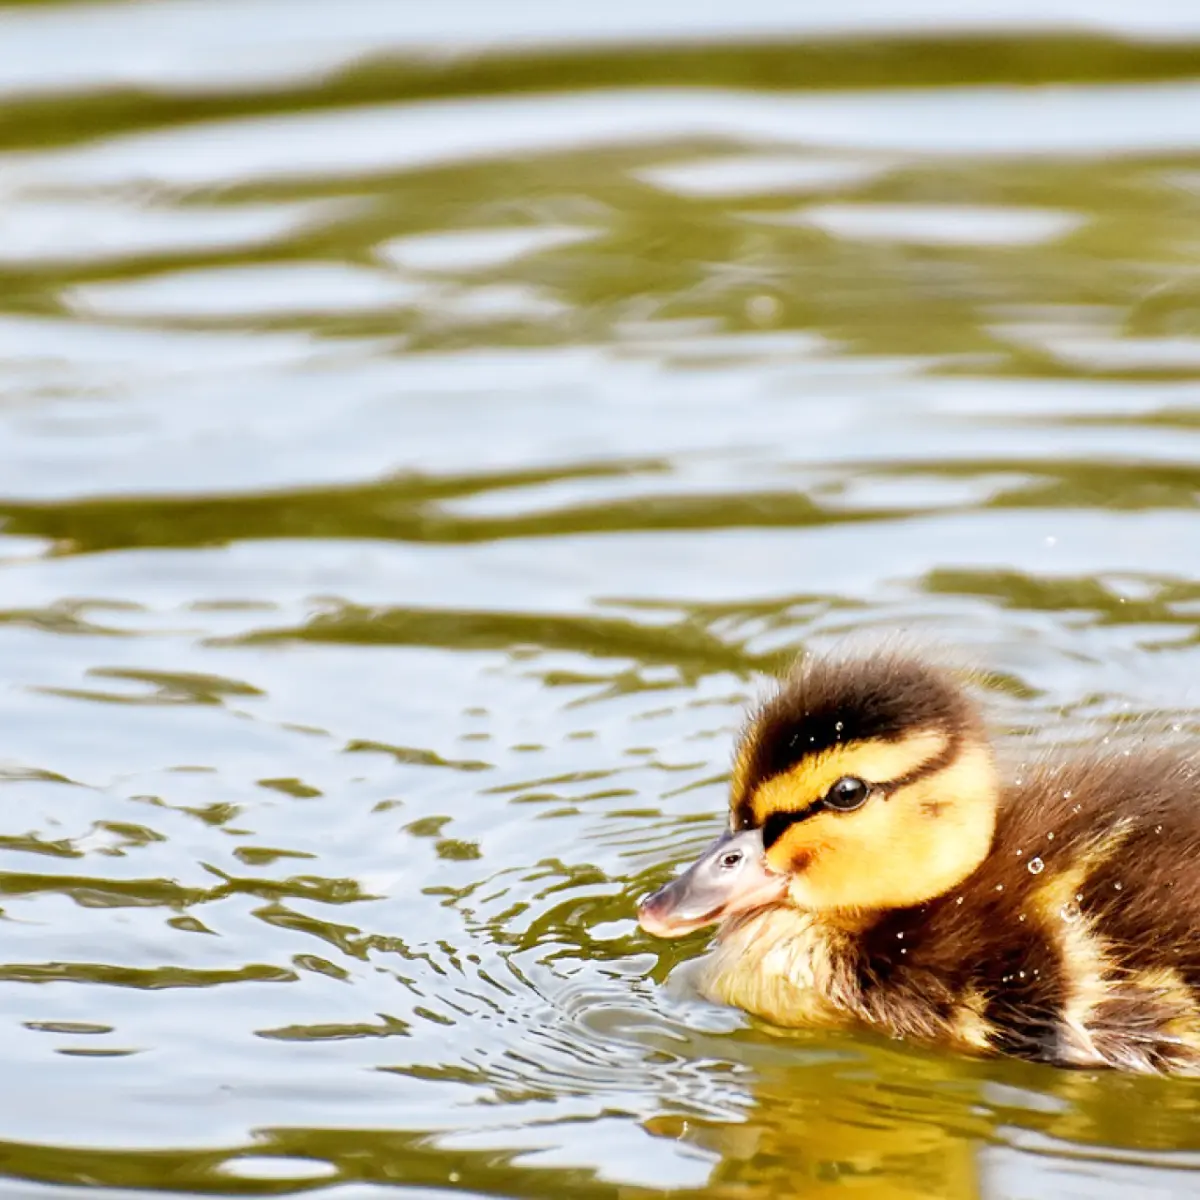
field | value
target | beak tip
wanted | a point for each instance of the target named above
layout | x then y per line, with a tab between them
648	919
655	914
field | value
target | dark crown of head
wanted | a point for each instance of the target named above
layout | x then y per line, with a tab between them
825	703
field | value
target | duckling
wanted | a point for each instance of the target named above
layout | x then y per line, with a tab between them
878	872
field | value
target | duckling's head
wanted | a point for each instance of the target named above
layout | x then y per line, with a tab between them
861	785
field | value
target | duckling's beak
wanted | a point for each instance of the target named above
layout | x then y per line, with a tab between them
731	876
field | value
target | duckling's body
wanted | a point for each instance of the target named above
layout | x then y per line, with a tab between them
1056	918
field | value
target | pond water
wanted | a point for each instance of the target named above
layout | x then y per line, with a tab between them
421	426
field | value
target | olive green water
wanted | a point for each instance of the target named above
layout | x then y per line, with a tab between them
419	428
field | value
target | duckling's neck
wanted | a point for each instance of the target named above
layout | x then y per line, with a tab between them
796	967
785	964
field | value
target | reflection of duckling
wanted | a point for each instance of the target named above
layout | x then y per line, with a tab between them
878	872
841	1131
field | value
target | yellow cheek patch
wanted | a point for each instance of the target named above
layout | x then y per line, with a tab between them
874	761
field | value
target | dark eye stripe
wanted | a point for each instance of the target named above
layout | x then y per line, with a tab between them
778	823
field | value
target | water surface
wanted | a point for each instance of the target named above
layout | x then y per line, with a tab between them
419	434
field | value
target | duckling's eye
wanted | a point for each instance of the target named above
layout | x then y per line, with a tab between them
847	794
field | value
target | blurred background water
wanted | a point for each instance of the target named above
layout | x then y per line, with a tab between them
420	427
